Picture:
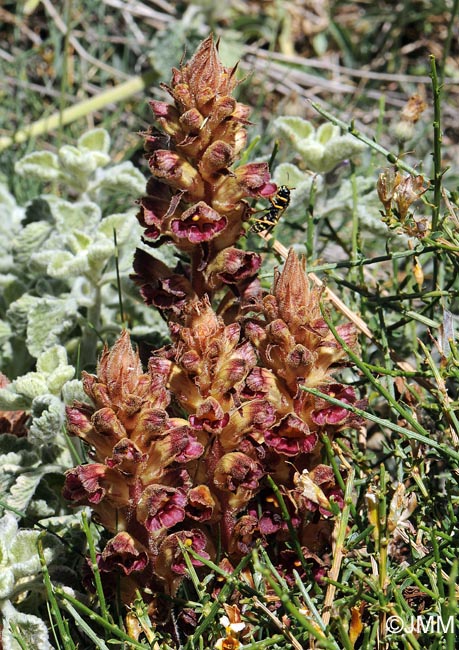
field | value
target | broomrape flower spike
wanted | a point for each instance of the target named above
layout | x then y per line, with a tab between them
195	199
184	453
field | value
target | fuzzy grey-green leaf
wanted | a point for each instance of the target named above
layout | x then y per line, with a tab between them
95	140
43	165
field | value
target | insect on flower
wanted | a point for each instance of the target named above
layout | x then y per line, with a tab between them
270	217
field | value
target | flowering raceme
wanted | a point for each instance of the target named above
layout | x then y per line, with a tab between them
195	199
182	452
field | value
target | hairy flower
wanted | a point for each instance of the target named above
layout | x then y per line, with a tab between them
236	470
201	504
184	451
89	484
327	414
295	343
161	507
291	436
198	224
170	564
160	286
233	267
210	360
124	554
195	199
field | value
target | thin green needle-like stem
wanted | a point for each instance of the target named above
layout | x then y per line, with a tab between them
310	221
425	439
365	261
437	170
288	521
92	554
61	624
437	274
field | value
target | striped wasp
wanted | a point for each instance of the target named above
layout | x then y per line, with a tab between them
270	217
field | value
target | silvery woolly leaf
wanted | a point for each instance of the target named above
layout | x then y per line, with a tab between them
16	451
327	132
23	554
97	141
53	366
339	149
43	165
52	358
41	508
5	331
123	178
79	163
8	532
18	312
30	385
313	154
12	214
80	215
99	253
295	128
72	391
49	319
21	492
30	239
83	292
6	582
78	241
11	401
48	418
31	630
59	378
18	548
40	258
24	491
290	175
66	266
10	468
123	224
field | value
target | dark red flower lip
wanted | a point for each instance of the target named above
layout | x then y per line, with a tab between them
161	507
197	233
199	223
291	436
121	553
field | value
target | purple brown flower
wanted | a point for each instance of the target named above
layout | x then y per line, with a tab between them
183	450
196	199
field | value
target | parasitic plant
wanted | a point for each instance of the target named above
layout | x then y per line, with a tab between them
184	453
196	198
